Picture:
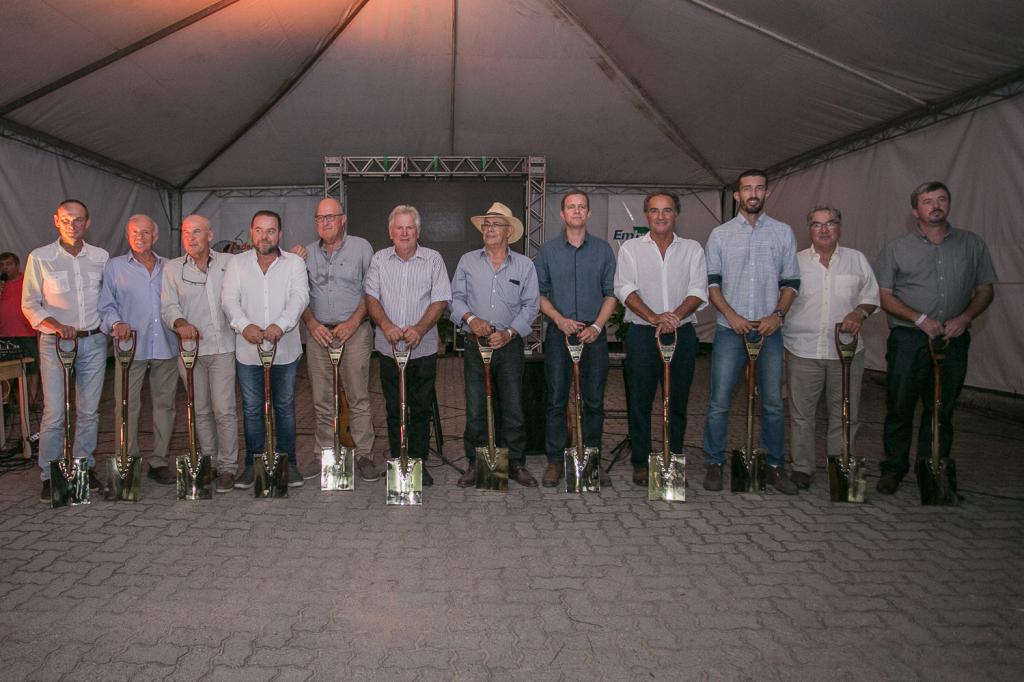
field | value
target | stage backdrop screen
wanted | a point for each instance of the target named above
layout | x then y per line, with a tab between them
445	207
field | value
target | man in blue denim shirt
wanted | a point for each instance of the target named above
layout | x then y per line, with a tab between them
753	278
494	296
576	274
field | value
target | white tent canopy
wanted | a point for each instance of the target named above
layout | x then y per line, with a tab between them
179	96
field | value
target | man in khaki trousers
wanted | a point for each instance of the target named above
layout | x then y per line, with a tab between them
336	264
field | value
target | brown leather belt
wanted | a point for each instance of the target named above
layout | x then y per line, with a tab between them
90	332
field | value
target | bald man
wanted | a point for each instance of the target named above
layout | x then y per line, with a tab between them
190	305
130	300
336	265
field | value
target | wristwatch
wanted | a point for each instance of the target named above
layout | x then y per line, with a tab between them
780	313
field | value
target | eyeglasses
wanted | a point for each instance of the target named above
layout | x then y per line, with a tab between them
330	217
487	225
830	224
194	275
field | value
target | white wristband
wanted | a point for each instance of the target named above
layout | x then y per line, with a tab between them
596	328
470	318
921	319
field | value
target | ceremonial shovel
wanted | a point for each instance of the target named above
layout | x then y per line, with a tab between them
846	473
491	461
581	463
124	473
936	477
195	470
69	476
750	466
270	466
337	463
666	470
405	475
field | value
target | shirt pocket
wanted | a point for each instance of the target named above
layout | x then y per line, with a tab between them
847	286
55	282
93	280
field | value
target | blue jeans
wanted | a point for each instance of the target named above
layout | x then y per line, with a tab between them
282	386
90	366
728	363
644	372
558	373
507	366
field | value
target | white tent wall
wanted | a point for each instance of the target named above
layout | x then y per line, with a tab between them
980	156
230	215
33	181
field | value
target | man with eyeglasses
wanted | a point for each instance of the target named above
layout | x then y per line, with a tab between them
837	285
190	305
494	297
753	277
407	289
264	293
934	281
130	301
336	265
576	276
60	298
662	279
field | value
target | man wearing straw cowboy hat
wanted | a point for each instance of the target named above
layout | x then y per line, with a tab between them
407	289
576	276
494	295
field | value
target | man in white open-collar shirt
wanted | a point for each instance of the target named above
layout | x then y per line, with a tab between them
264	293
61	297
662	279
836	285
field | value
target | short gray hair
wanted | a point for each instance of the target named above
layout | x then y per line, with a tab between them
403	209
834	213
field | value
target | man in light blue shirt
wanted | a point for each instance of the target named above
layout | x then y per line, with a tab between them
495	297
753	278
130	300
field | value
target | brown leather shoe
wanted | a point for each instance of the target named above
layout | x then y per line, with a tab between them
521	475
777	479
802	480
713	477
225	482
640	476
552	475
468	479
367	471
162	475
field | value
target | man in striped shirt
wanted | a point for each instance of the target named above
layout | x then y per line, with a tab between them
407	289
753	277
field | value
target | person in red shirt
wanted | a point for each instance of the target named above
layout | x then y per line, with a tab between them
14	327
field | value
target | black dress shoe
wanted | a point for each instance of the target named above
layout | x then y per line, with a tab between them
888	483
468	478
640	476
802	480
713	477
162	475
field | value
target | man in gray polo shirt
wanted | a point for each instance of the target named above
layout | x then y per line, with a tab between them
336	264
933	282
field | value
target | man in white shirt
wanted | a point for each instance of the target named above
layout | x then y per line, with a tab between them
264	293
837	284
662	279
60	297
407	289
190	305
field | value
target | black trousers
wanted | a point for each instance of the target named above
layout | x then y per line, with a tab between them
419	398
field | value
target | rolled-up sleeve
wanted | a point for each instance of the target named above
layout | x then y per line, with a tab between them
626	275
713	253
698	280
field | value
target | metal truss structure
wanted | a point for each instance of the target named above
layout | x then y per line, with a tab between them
533	170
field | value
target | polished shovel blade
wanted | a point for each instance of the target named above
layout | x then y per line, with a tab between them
492	474
847	484
195	484
69	488
123	485
271	473
582	474
937	486
336	470
666	483
405	487
749	472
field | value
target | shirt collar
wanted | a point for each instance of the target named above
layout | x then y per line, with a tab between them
565	238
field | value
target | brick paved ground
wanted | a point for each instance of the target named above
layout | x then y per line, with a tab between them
531	585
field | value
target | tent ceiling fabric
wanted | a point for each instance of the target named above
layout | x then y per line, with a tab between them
615	91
